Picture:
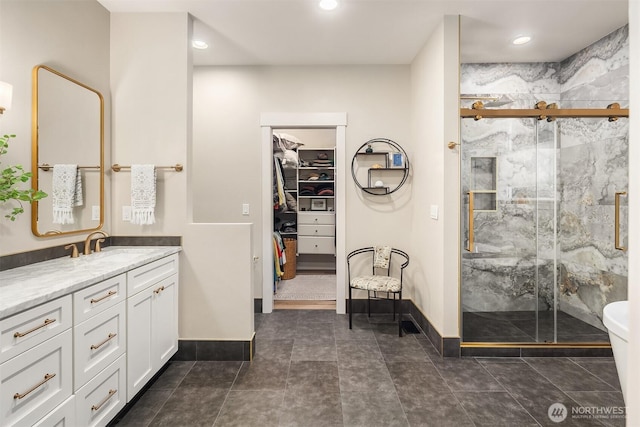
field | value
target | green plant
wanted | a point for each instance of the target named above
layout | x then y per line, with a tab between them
10	178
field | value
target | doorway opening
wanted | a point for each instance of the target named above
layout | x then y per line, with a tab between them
303	211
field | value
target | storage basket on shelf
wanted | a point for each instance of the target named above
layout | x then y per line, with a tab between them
290	253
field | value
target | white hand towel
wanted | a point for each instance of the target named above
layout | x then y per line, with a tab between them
143	194
77	197
64	193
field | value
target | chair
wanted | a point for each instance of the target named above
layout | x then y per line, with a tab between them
380	281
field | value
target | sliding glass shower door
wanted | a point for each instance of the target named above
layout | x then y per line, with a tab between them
539	231
501	295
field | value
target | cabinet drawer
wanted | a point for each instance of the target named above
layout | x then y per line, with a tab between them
316	230
145	276
35	383
25	330
98	297
98	401
308	218
316	245
98	342
64	415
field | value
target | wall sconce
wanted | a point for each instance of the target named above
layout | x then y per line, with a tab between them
6	91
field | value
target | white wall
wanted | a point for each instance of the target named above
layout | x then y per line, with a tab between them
151	93
228	102
435	117
71	37
216	301
151	84
633	380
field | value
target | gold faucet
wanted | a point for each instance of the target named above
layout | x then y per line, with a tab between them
74	250
87	241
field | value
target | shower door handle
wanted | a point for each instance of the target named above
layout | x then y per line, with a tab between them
617	220
470	226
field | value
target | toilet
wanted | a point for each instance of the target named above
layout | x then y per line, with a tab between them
615	317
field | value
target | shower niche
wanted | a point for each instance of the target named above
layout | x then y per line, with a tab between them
483	183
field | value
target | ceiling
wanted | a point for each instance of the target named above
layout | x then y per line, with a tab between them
297	32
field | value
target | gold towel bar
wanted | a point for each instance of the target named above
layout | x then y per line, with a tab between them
47	167
177	167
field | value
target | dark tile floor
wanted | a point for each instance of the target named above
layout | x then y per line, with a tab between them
520	326
311	370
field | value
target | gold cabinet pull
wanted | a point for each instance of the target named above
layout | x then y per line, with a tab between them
97	346
470	241
47	377
105	400
109	294
45	323
160	289
617	221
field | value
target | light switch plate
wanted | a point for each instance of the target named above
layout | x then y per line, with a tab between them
126	213
245	209
95	213
434	211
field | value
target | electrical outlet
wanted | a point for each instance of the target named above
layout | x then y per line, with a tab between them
95	213
245	209
126	213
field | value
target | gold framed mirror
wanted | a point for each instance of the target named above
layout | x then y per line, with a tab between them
67	136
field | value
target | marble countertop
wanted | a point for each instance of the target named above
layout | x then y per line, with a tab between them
25	287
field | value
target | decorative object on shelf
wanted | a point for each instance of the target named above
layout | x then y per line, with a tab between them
10	178
386	165
318	204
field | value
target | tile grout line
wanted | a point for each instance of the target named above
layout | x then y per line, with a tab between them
168	397
226	397
509	393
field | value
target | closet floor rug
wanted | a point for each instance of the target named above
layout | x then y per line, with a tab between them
307	287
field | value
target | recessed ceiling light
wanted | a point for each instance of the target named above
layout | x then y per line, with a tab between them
328	4
199	44
521	40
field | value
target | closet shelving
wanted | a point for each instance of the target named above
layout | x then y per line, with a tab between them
289	215
316	179
316	201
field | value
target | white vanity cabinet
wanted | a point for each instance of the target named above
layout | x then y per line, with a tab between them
74	349
99	346
38	378
152	308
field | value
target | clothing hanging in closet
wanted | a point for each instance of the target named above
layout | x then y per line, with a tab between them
279	258
279	199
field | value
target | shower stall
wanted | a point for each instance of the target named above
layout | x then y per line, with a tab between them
544	220
544	175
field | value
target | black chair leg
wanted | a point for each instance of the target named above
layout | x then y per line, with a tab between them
399	313
394	305
369	303
350	308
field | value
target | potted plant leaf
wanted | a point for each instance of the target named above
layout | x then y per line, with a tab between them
10	179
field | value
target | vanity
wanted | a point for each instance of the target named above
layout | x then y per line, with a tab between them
80	337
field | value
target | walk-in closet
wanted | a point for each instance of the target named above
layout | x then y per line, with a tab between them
304	220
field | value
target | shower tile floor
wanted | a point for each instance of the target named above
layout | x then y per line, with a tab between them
520	326
311	370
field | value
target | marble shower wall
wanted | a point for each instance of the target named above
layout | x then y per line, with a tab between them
572	165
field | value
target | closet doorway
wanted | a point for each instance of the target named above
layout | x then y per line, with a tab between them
303	210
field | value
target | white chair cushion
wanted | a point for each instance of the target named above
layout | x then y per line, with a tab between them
376	283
